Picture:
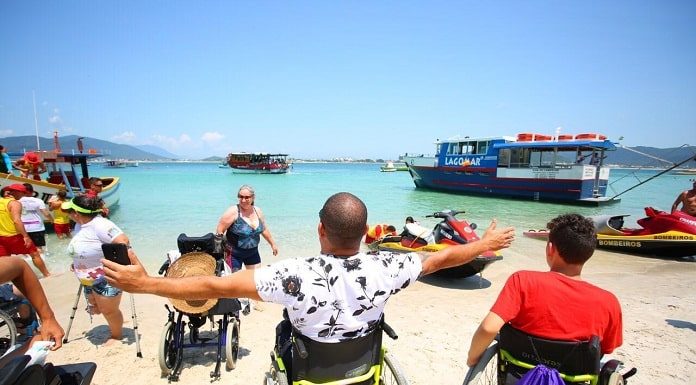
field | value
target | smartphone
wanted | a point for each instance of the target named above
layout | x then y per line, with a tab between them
116	252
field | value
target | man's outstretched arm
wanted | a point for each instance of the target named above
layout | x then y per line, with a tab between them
134	279
493	239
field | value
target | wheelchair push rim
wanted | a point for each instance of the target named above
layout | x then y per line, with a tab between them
8	332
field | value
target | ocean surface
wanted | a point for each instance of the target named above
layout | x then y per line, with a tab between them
159	201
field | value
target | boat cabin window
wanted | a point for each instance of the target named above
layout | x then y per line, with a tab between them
482	147
504	157
453	149
519	157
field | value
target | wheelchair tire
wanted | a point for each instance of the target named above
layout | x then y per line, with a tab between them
8	332
167	350
486	370
391	372
232	344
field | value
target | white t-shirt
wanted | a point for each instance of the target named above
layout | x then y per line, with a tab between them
31	214
85	248
332	299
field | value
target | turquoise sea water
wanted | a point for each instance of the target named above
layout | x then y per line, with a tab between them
161	200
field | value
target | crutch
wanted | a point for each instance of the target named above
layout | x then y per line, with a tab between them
134	316
72	316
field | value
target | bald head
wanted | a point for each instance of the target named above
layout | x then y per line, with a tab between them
344	217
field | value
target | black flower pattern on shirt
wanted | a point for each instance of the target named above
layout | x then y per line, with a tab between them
292	285
351	264
324	275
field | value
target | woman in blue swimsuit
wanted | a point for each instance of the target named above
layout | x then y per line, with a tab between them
243	224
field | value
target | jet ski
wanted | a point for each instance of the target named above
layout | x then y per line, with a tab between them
450	231
661	233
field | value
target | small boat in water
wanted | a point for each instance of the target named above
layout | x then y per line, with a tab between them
390	167
685	171
65	170
114	164
564	168
258	163
660	233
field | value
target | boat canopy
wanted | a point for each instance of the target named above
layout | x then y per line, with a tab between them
561	145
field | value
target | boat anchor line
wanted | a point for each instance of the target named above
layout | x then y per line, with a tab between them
674	165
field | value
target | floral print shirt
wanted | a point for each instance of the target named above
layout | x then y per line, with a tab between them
332	299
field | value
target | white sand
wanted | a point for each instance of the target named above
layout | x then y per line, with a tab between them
434	319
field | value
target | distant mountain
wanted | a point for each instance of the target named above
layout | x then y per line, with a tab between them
69	143
157	151
626	157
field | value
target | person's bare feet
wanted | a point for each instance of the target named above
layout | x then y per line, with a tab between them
112	341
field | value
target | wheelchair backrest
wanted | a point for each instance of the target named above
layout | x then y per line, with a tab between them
568	357
327	362
205	244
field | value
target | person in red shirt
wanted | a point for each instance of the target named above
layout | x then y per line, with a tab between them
95	188
557	304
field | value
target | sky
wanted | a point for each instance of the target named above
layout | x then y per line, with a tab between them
360	79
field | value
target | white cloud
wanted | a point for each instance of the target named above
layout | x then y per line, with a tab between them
55	119
7	132
212	137
125	137
172	143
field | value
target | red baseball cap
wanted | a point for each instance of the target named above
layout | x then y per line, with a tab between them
15	187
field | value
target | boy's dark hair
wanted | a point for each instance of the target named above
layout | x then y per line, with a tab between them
574	237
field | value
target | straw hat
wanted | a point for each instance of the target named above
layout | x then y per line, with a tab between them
192	265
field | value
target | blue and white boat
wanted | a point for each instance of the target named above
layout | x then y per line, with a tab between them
563	168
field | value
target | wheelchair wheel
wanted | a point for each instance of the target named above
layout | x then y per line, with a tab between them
232	344
486	370
275	377
391	372
167	348
8	332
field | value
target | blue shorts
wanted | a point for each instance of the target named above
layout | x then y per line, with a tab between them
244	256
101	287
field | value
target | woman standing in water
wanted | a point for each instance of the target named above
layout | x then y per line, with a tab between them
242	225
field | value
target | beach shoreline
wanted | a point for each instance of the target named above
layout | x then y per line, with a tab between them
435	319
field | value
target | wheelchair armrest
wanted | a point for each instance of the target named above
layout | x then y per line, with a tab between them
301	348
390	332
164	267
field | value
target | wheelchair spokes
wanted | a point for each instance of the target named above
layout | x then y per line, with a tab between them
8	332
391	372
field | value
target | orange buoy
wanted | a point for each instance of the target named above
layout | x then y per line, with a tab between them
540	137
526	137
591	136
565	137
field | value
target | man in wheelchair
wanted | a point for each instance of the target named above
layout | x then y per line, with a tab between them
534	308
337	296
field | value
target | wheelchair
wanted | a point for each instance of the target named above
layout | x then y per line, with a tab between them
515	352
173	341
359	361
13	328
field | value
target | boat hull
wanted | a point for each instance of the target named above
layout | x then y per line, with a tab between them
557	185
670	244
237	170
45	190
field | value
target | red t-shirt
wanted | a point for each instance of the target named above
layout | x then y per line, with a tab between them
91	193
554	306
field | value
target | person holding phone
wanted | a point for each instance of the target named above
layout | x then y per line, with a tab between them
85	248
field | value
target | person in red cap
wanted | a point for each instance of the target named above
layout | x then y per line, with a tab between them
30	166
13	236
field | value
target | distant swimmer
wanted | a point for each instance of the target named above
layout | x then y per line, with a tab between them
687	200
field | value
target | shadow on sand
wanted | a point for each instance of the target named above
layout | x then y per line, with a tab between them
475	282
679	324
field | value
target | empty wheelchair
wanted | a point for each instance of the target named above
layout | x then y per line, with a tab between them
199	254
360	361
515	352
